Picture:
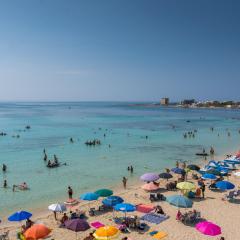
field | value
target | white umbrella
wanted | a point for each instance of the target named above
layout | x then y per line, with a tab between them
237	174
57	207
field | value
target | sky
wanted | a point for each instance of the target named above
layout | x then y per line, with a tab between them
128	50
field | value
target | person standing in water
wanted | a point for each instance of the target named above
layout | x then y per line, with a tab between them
177	164
55	159
124	181
4	167
131	169
212	151
5	183
70	192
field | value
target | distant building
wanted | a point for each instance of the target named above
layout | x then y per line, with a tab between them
188	102
164	101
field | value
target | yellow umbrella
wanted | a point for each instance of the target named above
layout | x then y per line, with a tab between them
160	235
105	233
186	186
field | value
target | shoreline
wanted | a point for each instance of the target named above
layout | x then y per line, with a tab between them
134	184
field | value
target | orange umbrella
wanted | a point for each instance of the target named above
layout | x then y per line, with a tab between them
37	231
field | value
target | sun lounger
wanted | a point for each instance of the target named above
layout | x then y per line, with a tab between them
156	197
4	236
154	218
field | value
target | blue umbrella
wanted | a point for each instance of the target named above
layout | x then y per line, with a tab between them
209	176
89	196
165	175
225	185
178	170
111	201
19	216
180	201
125	207
214	172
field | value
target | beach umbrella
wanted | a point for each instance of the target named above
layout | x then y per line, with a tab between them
237	174
180	201
89	196
160	235
111	201
149	177
208	228
214	172
209	176
165	175
237	155
225	185
37	231
77	225
125	207
178	170
19	216
104	192
150	187
186	186
193	167
57	207
106	232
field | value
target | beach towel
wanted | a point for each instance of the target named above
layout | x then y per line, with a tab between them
154	218
144	208
97	224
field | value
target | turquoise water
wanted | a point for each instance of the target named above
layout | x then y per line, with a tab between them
89	168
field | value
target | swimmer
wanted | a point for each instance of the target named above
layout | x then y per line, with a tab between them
5	183
4	167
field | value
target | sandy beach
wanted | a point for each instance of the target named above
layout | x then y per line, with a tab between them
213	208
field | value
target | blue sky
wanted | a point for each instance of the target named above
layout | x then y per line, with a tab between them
119	50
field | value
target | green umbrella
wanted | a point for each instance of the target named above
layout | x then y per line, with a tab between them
180	201
104	192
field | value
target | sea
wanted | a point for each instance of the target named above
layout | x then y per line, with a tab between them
148	137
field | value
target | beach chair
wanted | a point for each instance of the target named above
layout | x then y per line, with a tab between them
230	196
123	228
161	197
4	236
152	197
91	212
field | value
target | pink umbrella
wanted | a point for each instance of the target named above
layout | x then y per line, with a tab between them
150	187
208	228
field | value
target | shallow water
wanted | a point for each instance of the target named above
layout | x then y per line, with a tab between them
89	168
